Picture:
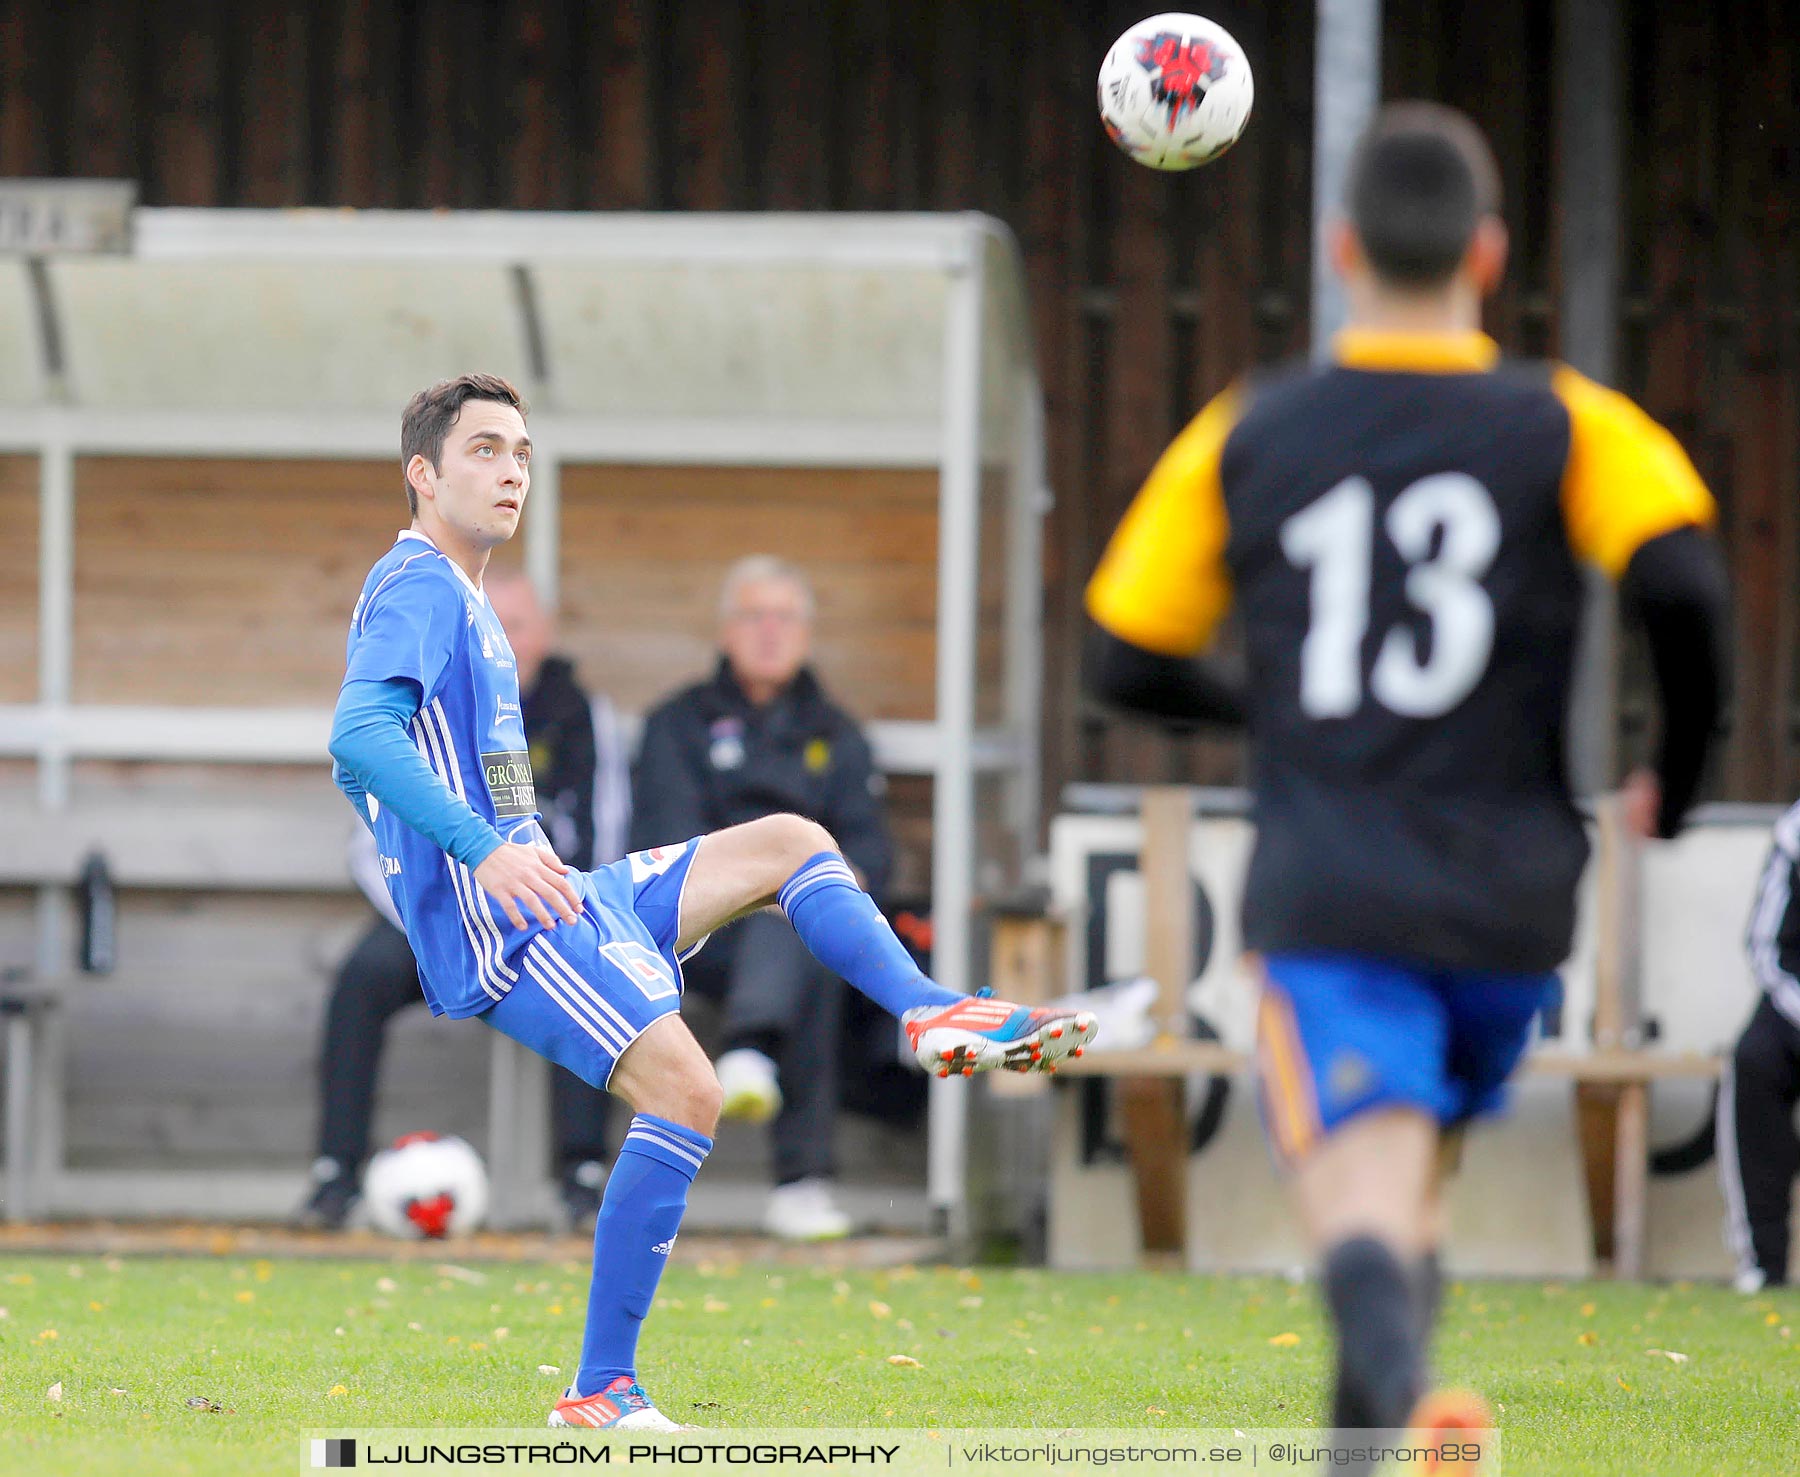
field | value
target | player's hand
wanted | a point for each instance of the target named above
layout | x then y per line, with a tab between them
514	874
1640	800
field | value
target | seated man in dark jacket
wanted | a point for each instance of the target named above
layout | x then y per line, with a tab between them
757	738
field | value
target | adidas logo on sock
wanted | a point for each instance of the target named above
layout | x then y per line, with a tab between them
663	1248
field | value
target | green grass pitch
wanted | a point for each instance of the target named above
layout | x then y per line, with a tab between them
101	1357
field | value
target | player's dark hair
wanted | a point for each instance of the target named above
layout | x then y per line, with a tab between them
1420	179
431	413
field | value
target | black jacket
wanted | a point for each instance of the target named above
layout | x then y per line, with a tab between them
711	759
559	726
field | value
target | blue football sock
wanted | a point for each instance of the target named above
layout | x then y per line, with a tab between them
639	1217
844	930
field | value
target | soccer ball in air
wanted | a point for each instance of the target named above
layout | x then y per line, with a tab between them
426	1186
1175	91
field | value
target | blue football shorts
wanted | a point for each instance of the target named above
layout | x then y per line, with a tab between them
586	990
1339	1034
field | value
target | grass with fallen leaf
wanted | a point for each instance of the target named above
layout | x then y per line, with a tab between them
209	1366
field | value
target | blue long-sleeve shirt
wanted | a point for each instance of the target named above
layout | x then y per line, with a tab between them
373	755
429	745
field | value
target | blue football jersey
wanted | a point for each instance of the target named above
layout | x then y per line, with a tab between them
421	617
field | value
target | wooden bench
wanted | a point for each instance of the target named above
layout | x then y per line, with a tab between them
283	835
1611	1082
1613	1110
217	846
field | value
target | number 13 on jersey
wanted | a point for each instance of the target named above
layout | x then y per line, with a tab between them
1334	539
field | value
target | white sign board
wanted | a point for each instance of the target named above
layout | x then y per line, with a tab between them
40	216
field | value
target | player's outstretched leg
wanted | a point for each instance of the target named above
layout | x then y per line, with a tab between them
666	1078
793	862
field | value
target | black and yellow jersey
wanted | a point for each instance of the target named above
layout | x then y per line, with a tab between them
1401	531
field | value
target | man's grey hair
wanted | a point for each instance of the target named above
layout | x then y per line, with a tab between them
763	569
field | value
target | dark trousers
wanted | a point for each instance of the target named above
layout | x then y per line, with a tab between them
772	989
1759	1152
376	981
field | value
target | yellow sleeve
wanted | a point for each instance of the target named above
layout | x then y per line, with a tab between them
1162	583
1627	480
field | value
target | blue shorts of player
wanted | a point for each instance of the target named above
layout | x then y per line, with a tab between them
1338	1035
587	990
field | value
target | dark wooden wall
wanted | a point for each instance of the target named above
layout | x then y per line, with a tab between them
1148	290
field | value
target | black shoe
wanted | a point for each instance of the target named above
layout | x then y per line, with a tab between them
334	1193
582	1185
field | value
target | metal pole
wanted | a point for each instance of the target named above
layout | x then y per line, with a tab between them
19	1126
1346	88
56	643
56	619
953	788
1587	186
543	529
56	605
1588	191
1025	620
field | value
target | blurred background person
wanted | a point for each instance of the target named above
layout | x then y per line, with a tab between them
759	737
582	771
1759	1152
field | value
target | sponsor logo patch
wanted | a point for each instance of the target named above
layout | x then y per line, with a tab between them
509	783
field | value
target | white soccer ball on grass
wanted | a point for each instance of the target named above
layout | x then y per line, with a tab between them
426	1186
